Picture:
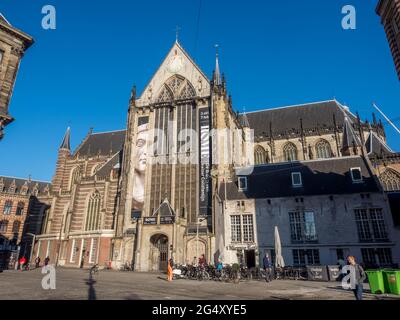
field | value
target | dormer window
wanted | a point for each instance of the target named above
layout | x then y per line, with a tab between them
296	180
356	175
242	183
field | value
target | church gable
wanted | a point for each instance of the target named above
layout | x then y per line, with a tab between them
178	77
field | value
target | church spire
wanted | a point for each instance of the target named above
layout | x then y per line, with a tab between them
351	142
66	144
217	75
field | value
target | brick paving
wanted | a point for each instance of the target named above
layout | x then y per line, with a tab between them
74	284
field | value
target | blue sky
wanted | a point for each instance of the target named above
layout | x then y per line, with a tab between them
274	53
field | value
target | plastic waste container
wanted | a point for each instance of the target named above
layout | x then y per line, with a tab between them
376	283
393	280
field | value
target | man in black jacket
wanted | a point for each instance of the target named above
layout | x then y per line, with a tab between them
268	268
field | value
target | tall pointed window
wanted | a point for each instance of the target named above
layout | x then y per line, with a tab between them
390	180
260	155
93	212
290	152
323	149
75	176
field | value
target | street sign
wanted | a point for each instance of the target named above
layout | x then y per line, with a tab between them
150	221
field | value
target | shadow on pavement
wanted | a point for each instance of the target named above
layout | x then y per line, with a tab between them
91	291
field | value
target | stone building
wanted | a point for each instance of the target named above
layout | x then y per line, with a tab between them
21	213
153	191
389	11
13	44
324	209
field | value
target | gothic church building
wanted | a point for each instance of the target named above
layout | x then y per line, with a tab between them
147	193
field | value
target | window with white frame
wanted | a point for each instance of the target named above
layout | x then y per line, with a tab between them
242	228
236	232
371	225
356	175
297	179
73	251
302	226
242	183
248	228
93	250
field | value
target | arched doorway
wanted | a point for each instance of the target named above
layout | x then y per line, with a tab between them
159	252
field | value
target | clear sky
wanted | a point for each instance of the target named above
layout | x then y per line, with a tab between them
274	53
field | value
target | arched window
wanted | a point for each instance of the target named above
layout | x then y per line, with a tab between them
187	92
16	226
3	226
390	180
260	155
290	152
93	212
166	95
20	209
323	149
7	207
75	176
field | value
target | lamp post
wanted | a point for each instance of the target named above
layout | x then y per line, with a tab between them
199	220
33	244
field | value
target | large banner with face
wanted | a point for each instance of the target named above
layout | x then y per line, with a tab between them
205	163
139	161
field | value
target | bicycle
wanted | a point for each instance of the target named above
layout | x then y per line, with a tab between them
94	269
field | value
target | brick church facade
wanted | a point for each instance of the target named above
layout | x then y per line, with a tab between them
148	193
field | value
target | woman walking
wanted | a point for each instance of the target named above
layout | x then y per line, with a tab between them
170	270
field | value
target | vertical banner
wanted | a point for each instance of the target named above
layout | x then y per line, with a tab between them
205	165
139	159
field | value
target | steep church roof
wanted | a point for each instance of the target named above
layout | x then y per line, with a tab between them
104	144
350	139
282	120
66	143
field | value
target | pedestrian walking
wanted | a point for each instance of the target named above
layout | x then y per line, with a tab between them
46	261
22	262
170	270
360	277
37	262
268	268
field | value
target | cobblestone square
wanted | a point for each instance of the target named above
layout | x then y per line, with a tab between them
74	284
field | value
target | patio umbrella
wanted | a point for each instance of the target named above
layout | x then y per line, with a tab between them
279	262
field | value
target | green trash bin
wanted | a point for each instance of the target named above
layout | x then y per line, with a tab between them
393	280
376	283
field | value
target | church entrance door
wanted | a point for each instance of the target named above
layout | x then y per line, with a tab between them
159	256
